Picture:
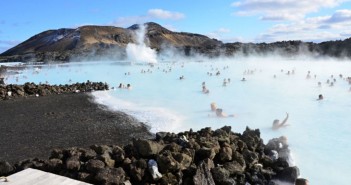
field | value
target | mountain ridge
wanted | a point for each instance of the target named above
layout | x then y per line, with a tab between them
93	42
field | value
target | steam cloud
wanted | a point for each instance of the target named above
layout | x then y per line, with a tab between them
139	52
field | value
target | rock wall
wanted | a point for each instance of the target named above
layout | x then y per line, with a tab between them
31	89
203	157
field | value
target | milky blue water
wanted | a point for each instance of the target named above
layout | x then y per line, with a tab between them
319	132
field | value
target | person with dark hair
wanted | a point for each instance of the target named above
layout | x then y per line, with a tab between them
320	97
276	125
205	90
220	113
301	181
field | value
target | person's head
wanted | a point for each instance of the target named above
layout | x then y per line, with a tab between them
219	112
276	123
301	181
320	97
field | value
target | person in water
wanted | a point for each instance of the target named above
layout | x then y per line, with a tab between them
320	97
276	124
205	90
213	106
220	113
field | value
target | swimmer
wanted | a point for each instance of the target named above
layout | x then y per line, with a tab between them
225	82
319	84
213	106
276	125
120	85
205	90
220	113
308	76
129	87
243	80
320	97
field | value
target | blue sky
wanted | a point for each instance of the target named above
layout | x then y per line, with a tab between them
226	20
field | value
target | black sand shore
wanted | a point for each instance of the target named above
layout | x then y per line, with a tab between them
32	127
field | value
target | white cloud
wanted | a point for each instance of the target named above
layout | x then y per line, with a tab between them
151	15
164	14
278	10
322	28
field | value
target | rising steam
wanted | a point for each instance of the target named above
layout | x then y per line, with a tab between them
139	52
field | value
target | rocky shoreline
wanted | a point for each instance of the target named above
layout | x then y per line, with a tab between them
35	118
68	123
203	157
31	89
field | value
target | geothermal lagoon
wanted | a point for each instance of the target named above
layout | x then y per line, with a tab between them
318	132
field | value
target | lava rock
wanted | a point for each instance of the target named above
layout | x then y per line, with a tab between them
93	165
110	176
147	148
203	175
6	168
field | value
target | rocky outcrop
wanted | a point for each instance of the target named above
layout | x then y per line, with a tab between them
31	89
108	42
204	157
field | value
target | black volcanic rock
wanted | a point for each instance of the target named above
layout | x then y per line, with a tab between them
175	162
109	42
